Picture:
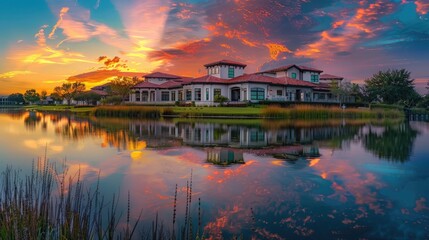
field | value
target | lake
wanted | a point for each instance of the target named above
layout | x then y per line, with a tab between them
337	179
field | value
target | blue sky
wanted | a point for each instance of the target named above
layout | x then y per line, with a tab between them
45	43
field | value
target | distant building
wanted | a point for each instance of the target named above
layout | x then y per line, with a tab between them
226	78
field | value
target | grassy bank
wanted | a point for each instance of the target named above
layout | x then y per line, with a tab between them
317	112
271	112
61	108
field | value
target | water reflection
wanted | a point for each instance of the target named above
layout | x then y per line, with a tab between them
266	180
393	143
221	141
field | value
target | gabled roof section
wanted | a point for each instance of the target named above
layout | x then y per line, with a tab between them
176	83
226	62
208	79
257	78
99	92
330	77
101	87
162	75
310	69
287	67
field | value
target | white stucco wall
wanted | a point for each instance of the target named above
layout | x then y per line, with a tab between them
223	71
307	76
157	81
296	71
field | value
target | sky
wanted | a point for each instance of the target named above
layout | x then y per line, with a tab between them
45	43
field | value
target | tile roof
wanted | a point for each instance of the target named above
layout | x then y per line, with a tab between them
323	87
209	79
246	78
225	62
162	75
257	78
99	92
287	67
330	77
176	83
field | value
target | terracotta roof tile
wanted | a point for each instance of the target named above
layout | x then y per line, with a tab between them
257	78
287	67
225	62
162	75
330	77
209	79
99	92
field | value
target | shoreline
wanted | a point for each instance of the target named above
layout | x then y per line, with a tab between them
309	112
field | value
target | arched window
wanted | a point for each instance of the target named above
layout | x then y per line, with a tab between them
257	94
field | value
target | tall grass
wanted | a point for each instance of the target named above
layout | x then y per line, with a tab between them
319	112
128	111
49	205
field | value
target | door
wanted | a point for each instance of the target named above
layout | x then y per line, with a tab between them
235	94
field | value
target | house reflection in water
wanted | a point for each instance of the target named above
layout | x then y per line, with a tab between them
219	156
223	142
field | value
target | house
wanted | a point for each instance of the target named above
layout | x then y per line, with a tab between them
291	83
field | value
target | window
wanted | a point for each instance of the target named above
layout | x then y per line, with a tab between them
279	92
207	94
257	94
180	95
137	96
217	70
231	72
294	75
173	96
165	96
145	96
197	135
257	136
189	95
217	93
197	93
314	78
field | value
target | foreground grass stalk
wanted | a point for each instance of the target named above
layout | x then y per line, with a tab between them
50	205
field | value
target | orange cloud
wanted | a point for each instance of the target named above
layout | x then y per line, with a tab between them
276	49
101	75
422	7
346	31
12	74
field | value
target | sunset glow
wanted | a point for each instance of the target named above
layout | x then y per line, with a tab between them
47	43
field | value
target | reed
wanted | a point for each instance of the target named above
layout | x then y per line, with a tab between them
47	204
319	112
128	111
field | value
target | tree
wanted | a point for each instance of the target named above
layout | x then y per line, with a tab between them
43	95
391	86
121	86
31	96
16	98
68	91
88	97
345	90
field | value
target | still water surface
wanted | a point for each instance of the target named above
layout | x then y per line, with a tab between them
266	180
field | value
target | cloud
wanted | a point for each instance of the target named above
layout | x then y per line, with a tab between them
102	75
347	32
63	11
422	7
114	63
276	49
12	74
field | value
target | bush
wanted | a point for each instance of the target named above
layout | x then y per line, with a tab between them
115	100
220	99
